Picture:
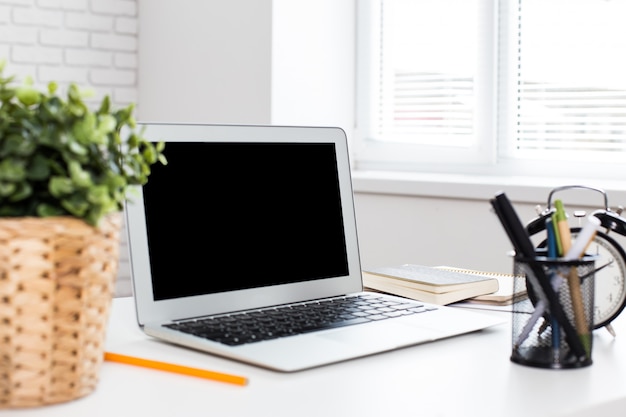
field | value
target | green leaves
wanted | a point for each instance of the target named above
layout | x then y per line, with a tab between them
58	157
12	170
28	96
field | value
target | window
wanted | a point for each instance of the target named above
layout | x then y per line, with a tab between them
529	87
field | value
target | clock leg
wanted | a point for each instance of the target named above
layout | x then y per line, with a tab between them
610	329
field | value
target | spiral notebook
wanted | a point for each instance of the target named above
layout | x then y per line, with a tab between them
511	288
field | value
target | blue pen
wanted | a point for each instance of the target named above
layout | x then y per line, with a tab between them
553	254
552	240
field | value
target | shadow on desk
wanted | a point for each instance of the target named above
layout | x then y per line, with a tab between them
611	408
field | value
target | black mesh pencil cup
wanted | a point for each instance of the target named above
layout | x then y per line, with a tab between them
552	328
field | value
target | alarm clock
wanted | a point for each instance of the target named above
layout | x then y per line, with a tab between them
610	273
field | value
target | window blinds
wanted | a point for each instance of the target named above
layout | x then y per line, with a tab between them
562	59
571	89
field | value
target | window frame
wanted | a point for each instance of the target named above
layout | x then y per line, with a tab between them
372	154
490	156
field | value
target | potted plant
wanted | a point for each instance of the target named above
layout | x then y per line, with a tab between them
65	171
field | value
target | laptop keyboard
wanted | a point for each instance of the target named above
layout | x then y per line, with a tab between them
288	320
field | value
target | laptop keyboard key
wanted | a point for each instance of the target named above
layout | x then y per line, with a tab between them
333	325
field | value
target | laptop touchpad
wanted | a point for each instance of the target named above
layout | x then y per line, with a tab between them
391	335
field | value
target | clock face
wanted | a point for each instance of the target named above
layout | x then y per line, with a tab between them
610	286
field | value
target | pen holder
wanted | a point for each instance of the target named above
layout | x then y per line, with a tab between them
539	338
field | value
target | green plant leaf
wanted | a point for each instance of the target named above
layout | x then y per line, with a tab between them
23	190
76	205
53	86
7	188
12	169
61	186
84	128
75	147
48	210
16	145
38	169
27	95
106	124
79	176
99	195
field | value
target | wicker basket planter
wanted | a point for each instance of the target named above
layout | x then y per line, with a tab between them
57	277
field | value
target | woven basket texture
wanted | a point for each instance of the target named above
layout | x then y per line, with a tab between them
57	278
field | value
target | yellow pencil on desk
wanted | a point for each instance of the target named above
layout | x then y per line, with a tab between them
179	369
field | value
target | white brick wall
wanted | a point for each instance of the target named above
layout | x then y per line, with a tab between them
92	43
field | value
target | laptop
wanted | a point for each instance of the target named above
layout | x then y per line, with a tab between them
245	222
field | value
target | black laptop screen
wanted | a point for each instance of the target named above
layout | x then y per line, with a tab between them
230	216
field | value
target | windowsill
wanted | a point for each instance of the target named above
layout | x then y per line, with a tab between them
534	190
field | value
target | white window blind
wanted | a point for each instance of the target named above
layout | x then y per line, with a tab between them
571	77
428	66
429	108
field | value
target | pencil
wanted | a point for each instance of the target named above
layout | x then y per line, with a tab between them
179	369
577	250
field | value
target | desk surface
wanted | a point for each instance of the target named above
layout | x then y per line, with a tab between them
469	375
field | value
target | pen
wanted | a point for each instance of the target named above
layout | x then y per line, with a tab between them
552	253
576	251
513	226
584	238
557	237
179	369
540	309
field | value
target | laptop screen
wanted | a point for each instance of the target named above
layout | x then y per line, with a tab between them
223	216
242	217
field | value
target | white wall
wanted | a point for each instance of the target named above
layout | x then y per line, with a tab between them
439	220
247	61
396	229
313	58
205	61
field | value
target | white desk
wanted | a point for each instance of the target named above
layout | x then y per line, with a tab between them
470	375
